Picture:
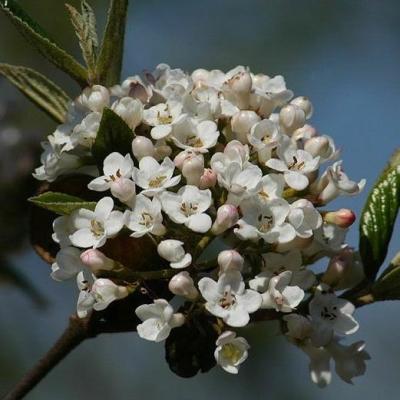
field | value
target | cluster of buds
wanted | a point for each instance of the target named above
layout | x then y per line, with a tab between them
229	181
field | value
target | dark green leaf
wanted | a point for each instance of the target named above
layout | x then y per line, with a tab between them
190	348
113	135
85	29
37	37
40	90
109	62
387	287
378	219
61	203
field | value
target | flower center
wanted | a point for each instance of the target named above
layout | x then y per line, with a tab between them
97	228
157	181
329	315
263	194
296	165
189	208
266	223
227	300
231	352
114	177
194	141
147	219
165	119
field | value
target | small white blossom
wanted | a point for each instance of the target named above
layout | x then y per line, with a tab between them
92	228
231	351
229	299
85	133
271	187
153	177
304	218
67	264
188	207
173	251
95	98
130	110
158	320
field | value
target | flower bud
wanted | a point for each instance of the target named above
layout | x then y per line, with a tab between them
305	132
130	110
240	83
106	291
161	150
95	260
305	104
173	251
142	147
227	216
182	157
200	75
292	117
208	179
182	285
342	218
95	98
124	189
335	271
230	260
193	169
317	146
242	122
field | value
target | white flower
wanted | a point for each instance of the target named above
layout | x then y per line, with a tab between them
295	165
278	293
265	221
335	182
230	260
276	263
67	264
349	360
202	103
92	228
182	284
117	171
228	298
85	133
231	351
271	187
264	136
331	315
158	320
130	110
97	295
199	137
153	177
304	218
162	118
142	146
95	98
188	207
173	251
62	228
145	218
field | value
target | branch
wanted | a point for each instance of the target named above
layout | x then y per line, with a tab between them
77	331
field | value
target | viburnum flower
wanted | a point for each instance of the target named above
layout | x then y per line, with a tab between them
153	177
95	98
271	187
92	228
67	264
231	351
173	251
158	320
145	218
229	299
117	173
304	218
331	315
188	207
85	133
278	293
130	110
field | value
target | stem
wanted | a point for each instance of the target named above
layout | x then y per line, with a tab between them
77	331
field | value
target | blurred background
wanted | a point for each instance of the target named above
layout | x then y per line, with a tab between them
343	54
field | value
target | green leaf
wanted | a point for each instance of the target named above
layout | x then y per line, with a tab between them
387	287
378	219
85	29
37	37
40	90
109	62
61	203
113	135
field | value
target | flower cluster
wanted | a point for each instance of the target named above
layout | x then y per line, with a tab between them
230	182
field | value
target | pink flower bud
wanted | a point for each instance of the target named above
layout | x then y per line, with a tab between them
95	260
182	285
230	260
208	179
317	146
305	104
335	271
193	169
124	189
142	147
227	216
242	122
343	218
182	157
291	118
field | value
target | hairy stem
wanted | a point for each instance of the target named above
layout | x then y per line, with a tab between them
77	331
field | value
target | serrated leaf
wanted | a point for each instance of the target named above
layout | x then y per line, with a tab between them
378	219
110	58
61	203
38	37
41	91
85	29
113	135
387	287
